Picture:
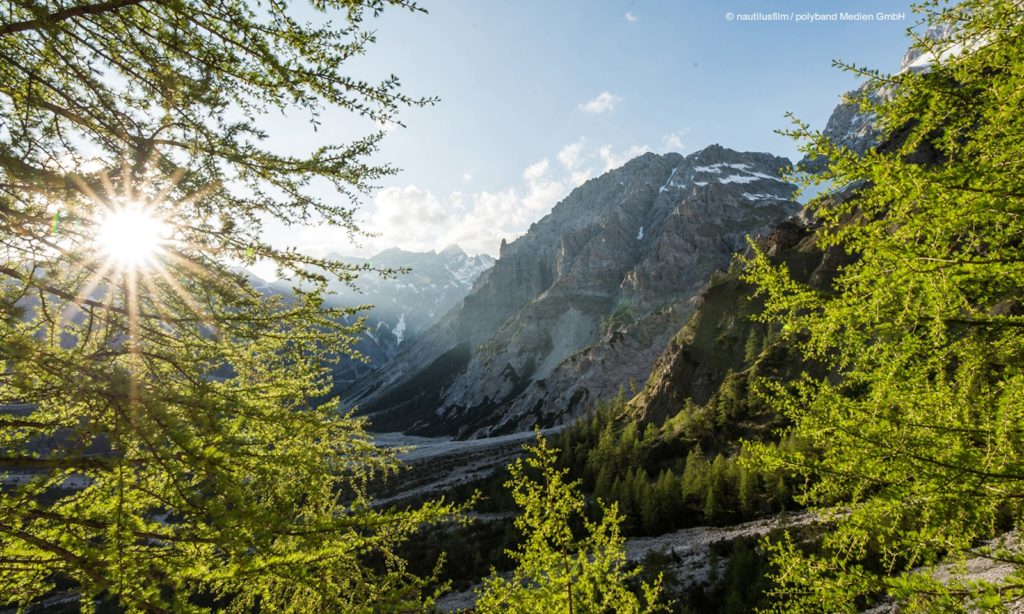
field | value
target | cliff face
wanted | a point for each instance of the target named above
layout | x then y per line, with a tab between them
722	337
584	301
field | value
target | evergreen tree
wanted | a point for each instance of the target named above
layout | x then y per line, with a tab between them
753	346
556	571
694	480
715	493
605	483
667	496
628	447
640	497
650	507
747	488
623	495
917	434
171	437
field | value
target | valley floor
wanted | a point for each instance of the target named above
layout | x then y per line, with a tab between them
437	464
690	551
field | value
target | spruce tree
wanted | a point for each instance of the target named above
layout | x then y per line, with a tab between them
694	480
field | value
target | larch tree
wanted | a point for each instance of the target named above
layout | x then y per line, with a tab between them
166	442
916	434
566	562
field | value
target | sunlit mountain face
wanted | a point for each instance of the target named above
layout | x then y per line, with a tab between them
580	305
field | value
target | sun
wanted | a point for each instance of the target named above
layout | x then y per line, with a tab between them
132	236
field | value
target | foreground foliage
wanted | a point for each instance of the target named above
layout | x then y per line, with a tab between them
164	443
919	426
556	571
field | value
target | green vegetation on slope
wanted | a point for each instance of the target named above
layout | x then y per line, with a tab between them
664	479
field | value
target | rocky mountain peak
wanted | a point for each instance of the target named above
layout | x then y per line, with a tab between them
545	332
452	250
403	306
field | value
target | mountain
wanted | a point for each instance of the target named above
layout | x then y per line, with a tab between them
584	302
722	337
715	340
848	126
403	306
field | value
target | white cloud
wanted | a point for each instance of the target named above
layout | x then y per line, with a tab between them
572	157
578	177
603	102
631	17
414	218
536	170
569	155
673	141
408	216
467	176
614	160
542	192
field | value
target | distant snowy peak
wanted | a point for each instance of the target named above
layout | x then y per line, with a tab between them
464	268
431	284
404	305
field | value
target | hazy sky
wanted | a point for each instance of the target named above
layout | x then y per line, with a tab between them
538	95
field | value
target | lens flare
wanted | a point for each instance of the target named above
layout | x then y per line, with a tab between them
131	236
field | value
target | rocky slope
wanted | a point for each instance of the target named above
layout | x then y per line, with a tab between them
722	337
584	301
717	339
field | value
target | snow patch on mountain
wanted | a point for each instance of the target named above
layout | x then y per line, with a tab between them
399	331
757	197
738	179
665	186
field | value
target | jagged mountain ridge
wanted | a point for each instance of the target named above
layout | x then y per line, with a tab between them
584	301
403	306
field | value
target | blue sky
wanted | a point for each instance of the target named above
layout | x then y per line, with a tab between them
538	95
